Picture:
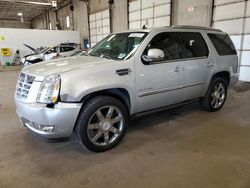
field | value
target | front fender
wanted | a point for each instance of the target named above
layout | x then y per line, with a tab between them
76	86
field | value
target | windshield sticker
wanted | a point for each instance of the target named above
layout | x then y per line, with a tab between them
121	55
139	35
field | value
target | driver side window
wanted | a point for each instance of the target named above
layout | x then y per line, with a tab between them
168	43
52	50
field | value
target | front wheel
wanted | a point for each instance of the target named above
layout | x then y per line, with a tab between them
216	95
102	123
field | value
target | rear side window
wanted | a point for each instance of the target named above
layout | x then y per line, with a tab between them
223	44
193	45
66	49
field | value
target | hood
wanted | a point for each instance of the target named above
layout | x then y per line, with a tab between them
34	57
32	49
59	66
28	55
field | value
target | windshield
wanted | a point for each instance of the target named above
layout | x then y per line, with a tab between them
44	50
54	49
77	53
119	46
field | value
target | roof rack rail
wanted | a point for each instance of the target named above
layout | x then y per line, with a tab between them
195	27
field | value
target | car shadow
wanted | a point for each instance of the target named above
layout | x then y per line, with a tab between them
163	116
137	124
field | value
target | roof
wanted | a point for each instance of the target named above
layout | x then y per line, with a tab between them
174	27
196	27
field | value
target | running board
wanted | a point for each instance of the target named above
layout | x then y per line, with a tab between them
164	108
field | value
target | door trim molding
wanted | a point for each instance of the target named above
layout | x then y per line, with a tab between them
158	91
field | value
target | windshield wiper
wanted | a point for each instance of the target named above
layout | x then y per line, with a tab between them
106	56
102	56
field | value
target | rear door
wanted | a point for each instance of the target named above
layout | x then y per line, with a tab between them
66	51
226	51
198	62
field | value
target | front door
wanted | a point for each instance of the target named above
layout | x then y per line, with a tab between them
160	83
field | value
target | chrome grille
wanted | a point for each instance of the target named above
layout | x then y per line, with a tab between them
23	86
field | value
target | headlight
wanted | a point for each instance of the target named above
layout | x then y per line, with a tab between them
49	90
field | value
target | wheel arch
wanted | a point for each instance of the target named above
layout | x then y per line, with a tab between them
222	74
119	93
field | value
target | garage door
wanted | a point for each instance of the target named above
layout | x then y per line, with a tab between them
153	13
99	26
233	17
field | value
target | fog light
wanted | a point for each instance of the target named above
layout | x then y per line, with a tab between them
46	128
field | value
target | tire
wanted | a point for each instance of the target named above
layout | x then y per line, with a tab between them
102	123
216	95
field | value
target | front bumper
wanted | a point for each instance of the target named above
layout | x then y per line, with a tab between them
61	117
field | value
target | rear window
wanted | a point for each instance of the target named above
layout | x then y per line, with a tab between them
223	44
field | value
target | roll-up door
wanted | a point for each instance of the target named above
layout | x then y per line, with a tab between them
233	17
152	13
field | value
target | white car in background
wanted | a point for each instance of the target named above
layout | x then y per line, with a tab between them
61	50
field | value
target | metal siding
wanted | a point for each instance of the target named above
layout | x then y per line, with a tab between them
233	17
99	26
245	60
153	13
244	73
229	11
222	2
237	41
247	26
147	13
246	42
227	26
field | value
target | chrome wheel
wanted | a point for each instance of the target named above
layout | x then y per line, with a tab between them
218	95
105	126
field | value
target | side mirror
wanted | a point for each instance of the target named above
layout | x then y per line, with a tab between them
155	54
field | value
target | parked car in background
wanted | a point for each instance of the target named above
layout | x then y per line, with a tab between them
61	50
126	74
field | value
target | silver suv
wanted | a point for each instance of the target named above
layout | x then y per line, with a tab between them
125	74
61	50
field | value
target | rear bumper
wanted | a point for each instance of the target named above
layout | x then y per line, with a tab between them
39	119
233	80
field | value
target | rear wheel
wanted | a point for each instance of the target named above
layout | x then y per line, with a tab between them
216	95
102	123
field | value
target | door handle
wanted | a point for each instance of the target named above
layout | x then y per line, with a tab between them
179	69
209	64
